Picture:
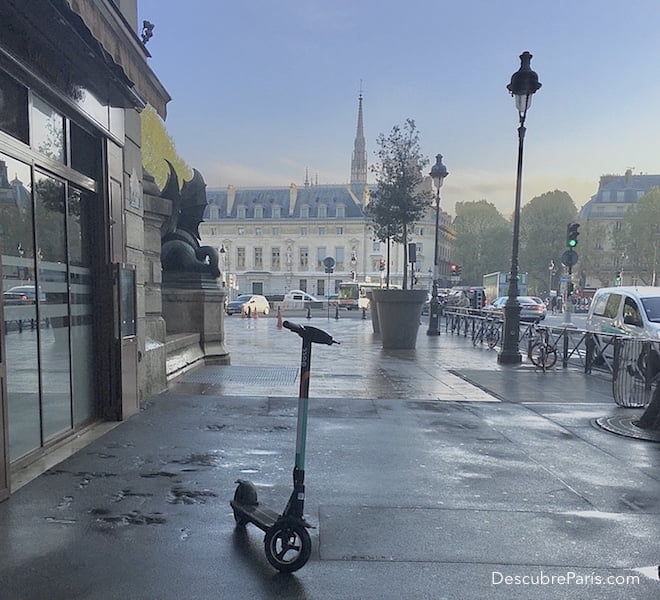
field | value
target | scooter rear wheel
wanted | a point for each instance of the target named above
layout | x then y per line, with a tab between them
288	545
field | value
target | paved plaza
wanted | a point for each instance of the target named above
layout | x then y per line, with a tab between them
431	473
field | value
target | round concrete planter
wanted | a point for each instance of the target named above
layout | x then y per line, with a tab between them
399	313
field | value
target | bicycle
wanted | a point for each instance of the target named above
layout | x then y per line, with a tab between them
489	332
543	353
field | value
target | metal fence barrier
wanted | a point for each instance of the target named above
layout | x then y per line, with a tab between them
633	363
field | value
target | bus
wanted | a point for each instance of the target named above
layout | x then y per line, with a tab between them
353	294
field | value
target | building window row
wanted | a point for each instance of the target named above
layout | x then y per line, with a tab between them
258	212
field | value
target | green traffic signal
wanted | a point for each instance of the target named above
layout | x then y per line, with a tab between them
572	233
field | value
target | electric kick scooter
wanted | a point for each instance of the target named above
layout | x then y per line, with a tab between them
287	543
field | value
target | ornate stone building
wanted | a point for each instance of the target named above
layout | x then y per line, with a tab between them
601	217
272	240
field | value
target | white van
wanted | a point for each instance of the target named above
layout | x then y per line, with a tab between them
633	311
297	299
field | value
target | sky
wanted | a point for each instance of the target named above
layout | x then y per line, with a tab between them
265	91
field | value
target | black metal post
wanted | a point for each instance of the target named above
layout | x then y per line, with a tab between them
438	174
433	308
524	83
510	353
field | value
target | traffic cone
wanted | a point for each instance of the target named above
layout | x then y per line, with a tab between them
279	318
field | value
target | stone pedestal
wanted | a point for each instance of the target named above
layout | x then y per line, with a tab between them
195	316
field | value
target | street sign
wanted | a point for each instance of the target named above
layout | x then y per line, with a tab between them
569	258
329	263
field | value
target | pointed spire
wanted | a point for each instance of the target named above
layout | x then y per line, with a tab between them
359	161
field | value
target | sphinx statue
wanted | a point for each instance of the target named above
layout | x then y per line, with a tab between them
186	263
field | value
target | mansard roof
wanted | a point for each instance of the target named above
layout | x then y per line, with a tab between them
618	189
290	201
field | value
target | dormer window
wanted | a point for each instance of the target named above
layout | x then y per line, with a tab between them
240	212
304	211
258	212
277	212
341	211
323	211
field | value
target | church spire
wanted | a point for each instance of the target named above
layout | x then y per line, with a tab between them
359	161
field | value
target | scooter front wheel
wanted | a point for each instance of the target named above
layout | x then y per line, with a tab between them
288	545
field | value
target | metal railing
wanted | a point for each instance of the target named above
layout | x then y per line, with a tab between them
633	363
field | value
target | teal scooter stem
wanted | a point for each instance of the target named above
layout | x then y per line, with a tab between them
287	542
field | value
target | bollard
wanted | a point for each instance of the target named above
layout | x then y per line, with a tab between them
336	311
279	318
364	312
309	312
255	313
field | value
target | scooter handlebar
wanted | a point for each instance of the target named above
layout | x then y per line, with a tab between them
314	334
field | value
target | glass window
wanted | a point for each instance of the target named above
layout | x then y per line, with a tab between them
302	285
47	130
323	210
20	306
13	108
631	314
85	152
339	258
277	212
257	231
54	350
304	212
611	305
303	231
258	212
304	259
341	211
258	258
340	230
240	212
240	258
322	230
275	259
320	255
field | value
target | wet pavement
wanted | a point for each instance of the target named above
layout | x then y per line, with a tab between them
431	473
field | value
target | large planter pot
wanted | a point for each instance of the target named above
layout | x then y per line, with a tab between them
374	312
399	313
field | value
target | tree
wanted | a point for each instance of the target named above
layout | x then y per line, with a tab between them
639	236
543	223
483	240
399	200
157	145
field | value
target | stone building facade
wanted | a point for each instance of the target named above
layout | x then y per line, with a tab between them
83	336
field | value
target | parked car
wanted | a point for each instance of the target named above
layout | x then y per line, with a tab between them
22	294
296	299
249	302
631	311
531	307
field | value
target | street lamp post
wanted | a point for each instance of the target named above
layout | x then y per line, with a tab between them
438	174
524	83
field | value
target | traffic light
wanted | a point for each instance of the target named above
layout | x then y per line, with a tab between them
453	269
572	232
381	265
617	278
459	270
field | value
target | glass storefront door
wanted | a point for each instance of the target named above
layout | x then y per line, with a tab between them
46	242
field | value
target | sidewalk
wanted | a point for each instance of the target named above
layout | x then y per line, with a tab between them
420	484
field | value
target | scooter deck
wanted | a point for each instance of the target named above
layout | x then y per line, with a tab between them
264	518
